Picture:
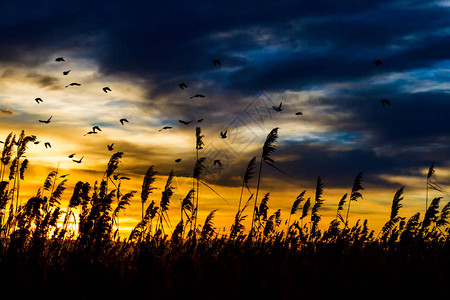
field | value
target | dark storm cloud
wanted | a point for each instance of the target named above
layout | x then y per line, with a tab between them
315	41
147	39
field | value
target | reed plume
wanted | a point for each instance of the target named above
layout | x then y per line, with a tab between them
208	227
295	206
318	201
305	208
444	216
147	188
395	208
263	208
355	194
165	201
55	197
23	167
121	205
341	207
237	226
431	214
199	139
187	204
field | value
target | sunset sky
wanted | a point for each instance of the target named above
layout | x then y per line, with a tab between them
314	57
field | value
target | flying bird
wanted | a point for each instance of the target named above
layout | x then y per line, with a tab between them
198	96
90	132
58	59
223	134
78	161
217	62
38	100
185	122
37	142
199	120
278	108
65	175
72	155
66	72
182	85
177	160
123	120
47	145
218	162
385	102
96	128
298	113
378	63
73	84
166	127
111	147
46	121
125	178
106	89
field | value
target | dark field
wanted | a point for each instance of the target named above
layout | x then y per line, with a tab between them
49	252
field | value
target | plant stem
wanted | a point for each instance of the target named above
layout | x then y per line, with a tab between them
257	190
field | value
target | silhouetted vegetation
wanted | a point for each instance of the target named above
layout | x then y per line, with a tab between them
76	252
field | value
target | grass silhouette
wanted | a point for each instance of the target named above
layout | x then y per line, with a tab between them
46	249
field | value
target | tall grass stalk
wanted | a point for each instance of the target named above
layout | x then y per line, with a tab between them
267	150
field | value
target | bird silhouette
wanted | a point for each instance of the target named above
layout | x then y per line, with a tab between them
218	162
378	63
36	142
166	127
106	89
78	161
123	120
96	128
199	120
73	84
38	100
182	85
58	59
177	160
46	121
72	155
66	72
111	147
47	145
65	175
217	62
198	96
223	134
124	178
385	102
298	113
185	122
90	132
278	108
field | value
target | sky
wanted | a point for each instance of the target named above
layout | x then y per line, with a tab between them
314	57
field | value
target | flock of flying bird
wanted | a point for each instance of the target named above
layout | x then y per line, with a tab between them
95	129
182	85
